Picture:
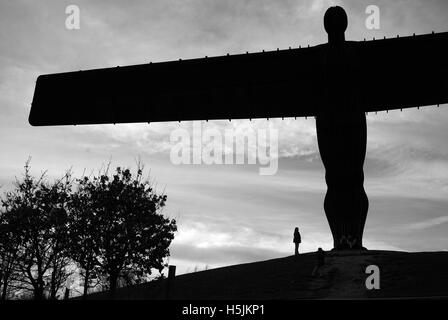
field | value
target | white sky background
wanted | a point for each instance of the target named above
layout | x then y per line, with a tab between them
227	214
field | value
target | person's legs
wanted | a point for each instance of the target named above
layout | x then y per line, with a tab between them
296	252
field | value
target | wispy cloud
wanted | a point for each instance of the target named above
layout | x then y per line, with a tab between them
425	224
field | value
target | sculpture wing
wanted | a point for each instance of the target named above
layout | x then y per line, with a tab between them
404	72
257	85
395	73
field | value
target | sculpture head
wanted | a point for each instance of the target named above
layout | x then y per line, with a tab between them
335	23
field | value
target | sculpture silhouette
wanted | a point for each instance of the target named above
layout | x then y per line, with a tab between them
323	81
342	136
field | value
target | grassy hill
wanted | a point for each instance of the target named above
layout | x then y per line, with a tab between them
402	274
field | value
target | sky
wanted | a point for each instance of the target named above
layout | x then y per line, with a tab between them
227	214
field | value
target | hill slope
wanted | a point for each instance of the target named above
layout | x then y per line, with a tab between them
343	276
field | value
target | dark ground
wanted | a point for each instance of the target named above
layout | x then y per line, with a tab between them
420	274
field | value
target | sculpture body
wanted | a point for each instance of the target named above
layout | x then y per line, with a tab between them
342	137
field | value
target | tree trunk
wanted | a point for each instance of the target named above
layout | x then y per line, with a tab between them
53	287
1	281
5	286
38	293
39	289
86	284
113	284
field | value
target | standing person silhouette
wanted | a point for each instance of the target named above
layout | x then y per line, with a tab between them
297	240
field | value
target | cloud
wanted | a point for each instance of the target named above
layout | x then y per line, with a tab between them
322	5
429	223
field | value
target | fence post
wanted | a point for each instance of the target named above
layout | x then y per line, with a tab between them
170	281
